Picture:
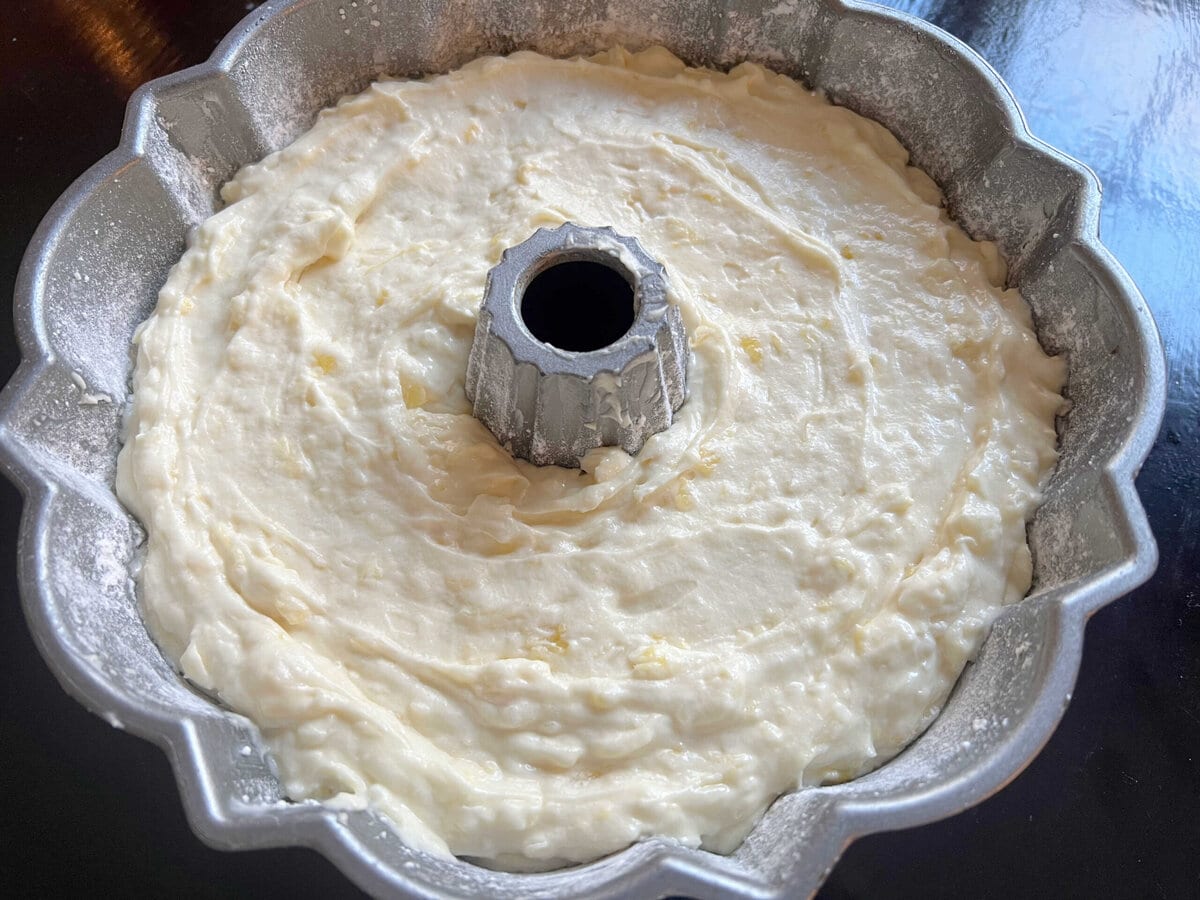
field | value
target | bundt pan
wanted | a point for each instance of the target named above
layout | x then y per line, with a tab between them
95	266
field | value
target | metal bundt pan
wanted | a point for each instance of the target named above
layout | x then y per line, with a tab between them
96	263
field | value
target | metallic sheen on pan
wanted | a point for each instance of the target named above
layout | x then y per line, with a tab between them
94	268
553	406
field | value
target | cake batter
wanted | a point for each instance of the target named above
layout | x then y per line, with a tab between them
538	665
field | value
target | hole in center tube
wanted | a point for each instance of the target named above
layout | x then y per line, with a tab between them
578	305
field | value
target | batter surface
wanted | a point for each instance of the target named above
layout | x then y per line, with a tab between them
535	664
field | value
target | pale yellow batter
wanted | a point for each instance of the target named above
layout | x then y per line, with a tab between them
538	664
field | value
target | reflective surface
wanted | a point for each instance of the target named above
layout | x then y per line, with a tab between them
1111	807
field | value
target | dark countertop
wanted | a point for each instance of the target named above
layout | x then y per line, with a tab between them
1110	808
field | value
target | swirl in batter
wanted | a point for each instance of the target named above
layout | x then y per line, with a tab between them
538	664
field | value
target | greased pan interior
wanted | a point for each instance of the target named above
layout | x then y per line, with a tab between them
94	267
